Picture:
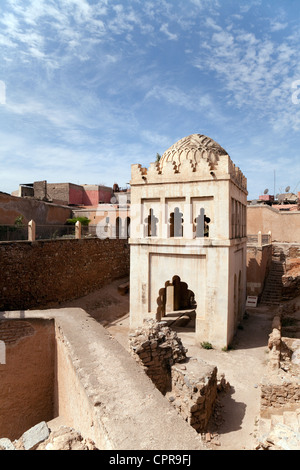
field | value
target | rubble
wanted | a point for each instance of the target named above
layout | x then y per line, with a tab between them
40	437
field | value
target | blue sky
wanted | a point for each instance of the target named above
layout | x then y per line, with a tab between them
88	87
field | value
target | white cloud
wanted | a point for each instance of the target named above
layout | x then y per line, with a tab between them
164	29
278	26
256	72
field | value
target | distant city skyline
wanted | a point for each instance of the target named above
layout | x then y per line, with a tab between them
89	87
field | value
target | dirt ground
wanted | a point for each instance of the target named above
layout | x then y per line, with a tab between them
234	423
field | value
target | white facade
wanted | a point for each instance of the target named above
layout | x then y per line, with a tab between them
188	221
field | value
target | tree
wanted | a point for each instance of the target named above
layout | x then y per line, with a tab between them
82	220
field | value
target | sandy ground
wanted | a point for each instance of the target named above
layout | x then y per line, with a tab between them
244	365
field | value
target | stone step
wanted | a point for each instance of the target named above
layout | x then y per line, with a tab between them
272	292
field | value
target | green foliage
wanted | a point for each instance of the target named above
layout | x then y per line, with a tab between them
158	157
206	345
82	220
19	221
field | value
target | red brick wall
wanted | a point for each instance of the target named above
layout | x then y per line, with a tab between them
36	274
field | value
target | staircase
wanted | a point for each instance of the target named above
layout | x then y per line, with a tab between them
280	431
272	293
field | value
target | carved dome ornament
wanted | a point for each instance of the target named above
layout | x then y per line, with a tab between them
193	148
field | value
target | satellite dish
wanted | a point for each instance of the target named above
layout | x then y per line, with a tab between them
266	191
287	189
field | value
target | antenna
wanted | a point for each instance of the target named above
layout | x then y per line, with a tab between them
296	187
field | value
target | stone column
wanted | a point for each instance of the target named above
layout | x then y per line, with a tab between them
259	238
169	298
31	231
78	230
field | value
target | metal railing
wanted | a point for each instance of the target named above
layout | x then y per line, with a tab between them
10	233
32	232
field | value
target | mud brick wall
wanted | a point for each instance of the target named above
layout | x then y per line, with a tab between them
279	388
42	273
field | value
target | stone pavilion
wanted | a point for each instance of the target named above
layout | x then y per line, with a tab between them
188	239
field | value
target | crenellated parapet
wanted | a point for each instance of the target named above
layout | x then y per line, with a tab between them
194	158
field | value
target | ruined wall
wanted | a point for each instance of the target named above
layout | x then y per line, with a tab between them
27	377
190	385
41	212
280	386
36	274
158	348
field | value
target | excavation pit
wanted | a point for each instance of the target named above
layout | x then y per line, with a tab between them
62	363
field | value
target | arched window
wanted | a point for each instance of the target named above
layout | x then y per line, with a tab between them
151	224
119	227
128	226
176	223
202	225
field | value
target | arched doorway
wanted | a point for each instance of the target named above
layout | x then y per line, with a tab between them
176	304
118	227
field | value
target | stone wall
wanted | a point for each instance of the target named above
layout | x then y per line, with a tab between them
42	273
189	384
194	392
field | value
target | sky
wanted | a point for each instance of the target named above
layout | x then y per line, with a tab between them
90	87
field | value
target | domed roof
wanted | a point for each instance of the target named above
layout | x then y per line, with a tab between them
193	147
